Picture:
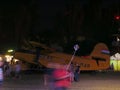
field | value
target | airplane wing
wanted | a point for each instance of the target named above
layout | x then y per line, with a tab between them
36	44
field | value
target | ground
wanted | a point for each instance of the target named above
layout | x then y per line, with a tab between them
88	81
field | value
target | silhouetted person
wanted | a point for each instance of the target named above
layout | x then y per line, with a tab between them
76	73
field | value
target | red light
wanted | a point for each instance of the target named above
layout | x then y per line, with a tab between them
117	17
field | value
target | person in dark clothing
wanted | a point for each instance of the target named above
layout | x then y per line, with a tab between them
76	73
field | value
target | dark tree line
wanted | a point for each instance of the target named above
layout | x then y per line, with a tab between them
73	18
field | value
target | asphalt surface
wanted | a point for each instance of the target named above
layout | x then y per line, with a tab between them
88	81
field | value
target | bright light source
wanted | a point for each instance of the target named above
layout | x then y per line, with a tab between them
10	50
8	58
118	39
0	58
16	60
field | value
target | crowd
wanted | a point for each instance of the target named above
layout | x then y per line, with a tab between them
9	70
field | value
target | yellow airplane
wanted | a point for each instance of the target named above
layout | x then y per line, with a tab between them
99	59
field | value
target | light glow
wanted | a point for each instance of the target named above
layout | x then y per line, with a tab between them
8	58
115	62
10	50
1	59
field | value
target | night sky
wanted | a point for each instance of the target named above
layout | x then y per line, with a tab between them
71	18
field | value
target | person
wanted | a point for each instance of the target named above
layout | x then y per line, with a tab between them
17	69
71	70
76	73
1	71
48	77
7	69
61	77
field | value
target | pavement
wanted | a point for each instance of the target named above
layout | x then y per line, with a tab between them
88	81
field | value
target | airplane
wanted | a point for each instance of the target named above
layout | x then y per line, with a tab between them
99	59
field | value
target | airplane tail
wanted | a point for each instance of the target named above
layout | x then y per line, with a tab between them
101	54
